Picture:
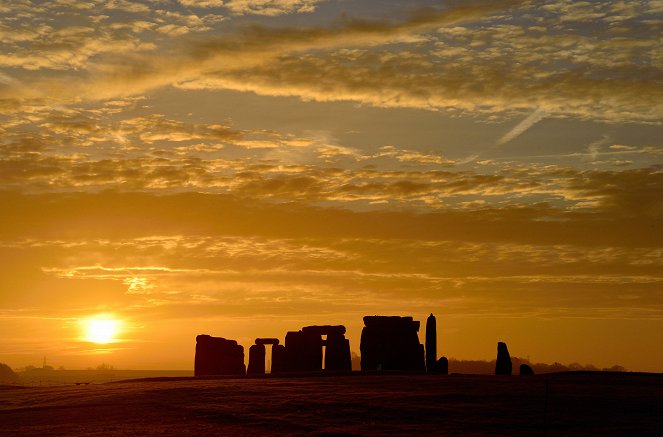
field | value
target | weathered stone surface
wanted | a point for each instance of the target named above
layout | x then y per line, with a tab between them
256	360
503	363
431	344
218	356
391	343
272	341
442	366
526	370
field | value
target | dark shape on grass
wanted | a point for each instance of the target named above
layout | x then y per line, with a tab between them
443	366
526	370
218	356
256	359
431	344
503	363
391	343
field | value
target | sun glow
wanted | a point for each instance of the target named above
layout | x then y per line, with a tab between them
101	329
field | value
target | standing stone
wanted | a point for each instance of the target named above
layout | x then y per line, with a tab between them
391	343
337	353
256	360
431	344
526	370
324	329
279	359
443	366
218	356
503	363
303	351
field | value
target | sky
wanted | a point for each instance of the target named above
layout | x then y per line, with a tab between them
242	168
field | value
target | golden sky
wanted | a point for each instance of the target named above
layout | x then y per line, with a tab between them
242	168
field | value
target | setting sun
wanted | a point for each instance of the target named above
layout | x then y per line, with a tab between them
101	329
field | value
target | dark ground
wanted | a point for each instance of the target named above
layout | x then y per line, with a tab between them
627	404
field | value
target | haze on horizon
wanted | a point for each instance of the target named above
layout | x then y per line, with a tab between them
242	168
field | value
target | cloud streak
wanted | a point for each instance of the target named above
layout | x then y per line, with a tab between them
510	67
523	126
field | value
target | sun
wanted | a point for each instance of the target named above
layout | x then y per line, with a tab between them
101	329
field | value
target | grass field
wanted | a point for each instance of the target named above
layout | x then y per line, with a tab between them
626	404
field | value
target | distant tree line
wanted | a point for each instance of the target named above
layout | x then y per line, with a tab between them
479	367
7	375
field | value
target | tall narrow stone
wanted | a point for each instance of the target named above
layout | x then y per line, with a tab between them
503	363
431	344
256	360
337	353
279	359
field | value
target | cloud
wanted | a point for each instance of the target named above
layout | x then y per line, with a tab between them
194	255
256	7
436	59
135	214
521	127
82	149
271	7
198	260
252	46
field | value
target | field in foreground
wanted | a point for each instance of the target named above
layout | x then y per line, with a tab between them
577	404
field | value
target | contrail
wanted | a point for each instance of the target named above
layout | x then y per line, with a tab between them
7	79
521	127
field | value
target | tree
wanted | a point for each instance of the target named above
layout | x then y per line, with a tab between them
104	366
7	375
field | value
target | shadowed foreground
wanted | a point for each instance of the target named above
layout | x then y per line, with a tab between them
578	403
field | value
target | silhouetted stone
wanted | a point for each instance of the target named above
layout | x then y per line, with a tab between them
442	366
503	363
279	359
526	370
272	341
324	329
391	322
337	353
218	356
303	351
431	344
256	360
391	343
